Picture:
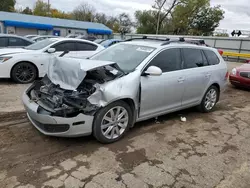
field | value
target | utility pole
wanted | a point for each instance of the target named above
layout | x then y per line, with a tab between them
48	8
158	21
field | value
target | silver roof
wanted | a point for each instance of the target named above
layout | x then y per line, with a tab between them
51	21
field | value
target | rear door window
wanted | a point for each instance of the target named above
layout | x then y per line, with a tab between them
168	60
16	42
192	58
212	57
84	46
3	42
65	46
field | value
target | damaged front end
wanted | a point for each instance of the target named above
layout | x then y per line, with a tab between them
56	100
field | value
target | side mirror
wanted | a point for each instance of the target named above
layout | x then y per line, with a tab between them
51	50
153	71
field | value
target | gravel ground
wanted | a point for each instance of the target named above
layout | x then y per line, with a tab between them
209	151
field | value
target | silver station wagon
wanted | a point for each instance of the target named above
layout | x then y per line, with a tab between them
129	82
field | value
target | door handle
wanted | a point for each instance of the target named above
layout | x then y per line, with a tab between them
181	80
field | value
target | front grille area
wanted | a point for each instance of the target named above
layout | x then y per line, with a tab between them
245	74
52	128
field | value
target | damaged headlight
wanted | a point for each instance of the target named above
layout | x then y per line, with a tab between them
5	58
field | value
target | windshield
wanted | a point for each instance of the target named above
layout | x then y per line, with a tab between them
41	44
127	56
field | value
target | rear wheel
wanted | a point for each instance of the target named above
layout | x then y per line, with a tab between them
24	73
112	122
209	100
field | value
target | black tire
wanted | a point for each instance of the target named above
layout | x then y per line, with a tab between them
97	131
24	73
202	106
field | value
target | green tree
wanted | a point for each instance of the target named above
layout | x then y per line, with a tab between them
146	21
41	8
54	13
84	12
7	5
221	35
27	10
206	20
165	8
113	24
184	14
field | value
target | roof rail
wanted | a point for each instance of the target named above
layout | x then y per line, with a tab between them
147	38
188	40
181	39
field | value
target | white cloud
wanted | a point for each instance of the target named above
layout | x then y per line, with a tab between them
237	13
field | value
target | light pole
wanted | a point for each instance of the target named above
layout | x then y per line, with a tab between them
48	8
158	22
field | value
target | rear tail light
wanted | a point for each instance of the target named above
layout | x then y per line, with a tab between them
220	52
248	61
227	75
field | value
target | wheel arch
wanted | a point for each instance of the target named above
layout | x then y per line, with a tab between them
37	70
130	102
218	87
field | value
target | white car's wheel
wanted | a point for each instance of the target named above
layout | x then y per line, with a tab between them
24	73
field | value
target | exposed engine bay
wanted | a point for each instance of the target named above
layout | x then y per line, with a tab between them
56	101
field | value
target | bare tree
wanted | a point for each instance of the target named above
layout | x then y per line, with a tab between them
84	12
167	7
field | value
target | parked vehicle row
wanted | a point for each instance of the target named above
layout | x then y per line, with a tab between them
128	82
14	41
24	65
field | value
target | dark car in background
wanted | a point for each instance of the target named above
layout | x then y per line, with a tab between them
14	41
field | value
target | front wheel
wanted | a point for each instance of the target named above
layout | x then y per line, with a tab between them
209	100
24	73
112	122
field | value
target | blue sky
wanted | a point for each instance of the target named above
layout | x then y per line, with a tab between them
237	13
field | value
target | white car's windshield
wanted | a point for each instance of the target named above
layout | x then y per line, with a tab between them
127	56
41	44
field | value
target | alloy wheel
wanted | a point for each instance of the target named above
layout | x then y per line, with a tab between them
210	99
114	122
24	73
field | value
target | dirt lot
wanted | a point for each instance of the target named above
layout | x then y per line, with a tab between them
209	150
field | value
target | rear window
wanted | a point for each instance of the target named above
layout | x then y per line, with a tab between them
211	57
193	58
16	42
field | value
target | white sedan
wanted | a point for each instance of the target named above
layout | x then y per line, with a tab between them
24	65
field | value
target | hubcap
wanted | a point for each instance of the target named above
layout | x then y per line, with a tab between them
24	73
114	122
210	99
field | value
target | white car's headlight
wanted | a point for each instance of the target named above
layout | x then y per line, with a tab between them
3	59
234	71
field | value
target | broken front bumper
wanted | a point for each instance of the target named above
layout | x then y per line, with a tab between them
80	125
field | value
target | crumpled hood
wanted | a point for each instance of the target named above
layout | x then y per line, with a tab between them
8	51
70	72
